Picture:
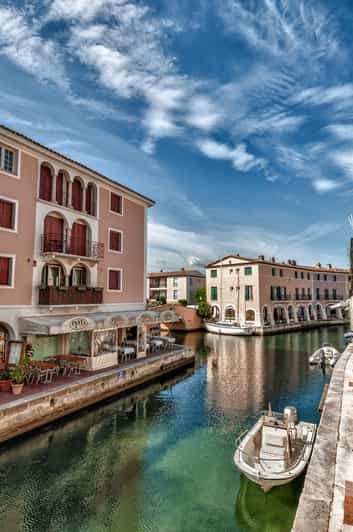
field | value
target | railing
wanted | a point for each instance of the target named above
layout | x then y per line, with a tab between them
53	243
70	295
281	297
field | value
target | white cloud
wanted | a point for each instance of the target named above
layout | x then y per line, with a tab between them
84	10
239	156
325	185
21	43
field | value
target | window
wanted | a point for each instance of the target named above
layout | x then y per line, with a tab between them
296	274
325	277
248	293
78	276
248	270
335	278
308	276
303	292
334	293
175	295
116	203
8	160
318	277
281	273
214	293
175	282
77	195
114	279
318	293
297	293
231	271
6	271
45	183
273	272
7	214
326	293
213	273
115	241
302	275
309	293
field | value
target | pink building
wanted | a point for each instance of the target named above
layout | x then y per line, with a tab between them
72	252
268	293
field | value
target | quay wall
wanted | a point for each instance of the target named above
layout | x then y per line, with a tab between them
300	326
321	506
32	411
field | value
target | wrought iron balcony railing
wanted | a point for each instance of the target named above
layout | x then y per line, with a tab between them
68	245
70	295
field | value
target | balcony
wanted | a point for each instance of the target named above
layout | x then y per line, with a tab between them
70	295
281	297
57	244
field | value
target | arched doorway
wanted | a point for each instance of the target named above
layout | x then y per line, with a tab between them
319	312
79	239
331	313
229	313
53	239
279	315
265	316
290	312
77	194
301	313
250	315
215	313
4	340
46	182
311	312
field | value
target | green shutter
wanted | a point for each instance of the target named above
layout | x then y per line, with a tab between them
273	272
214	295
248	270
247	293
213	273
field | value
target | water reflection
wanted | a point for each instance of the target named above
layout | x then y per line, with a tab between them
160	460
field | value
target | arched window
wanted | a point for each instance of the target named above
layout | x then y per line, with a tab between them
91	199
53	238
79	239
62	188
77	194
250	315
215	312
229	314
78	276
319	311
46	183
53	275
265	315
290	312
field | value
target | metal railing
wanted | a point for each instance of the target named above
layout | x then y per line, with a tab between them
54	243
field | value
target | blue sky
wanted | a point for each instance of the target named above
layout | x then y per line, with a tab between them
235	116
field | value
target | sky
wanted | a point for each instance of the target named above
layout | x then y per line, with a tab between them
235	116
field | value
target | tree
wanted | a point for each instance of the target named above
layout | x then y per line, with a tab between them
200	295
204	309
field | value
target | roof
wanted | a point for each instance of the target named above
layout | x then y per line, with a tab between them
177	273
247	261
84	167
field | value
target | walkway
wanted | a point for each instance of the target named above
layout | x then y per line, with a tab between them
326	502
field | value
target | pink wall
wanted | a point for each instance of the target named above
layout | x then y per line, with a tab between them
132	260
21	243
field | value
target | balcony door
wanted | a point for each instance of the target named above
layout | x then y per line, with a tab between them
78	244
53	234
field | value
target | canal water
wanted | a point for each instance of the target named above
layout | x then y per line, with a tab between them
160	460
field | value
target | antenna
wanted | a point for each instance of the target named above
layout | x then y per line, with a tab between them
350	220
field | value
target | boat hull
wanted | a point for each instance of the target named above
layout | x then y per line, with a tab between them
231	330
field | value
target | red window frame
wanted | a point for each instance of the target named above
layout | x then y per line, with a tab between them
5	271
115	240
116	203
7	214
114	280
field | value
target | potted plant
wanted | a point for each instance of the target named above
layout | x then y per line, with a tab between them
17	379
5	381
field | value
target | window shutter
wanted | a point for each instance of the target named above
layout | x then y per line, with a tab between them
77	195
115	203
4	271
89	204
46	183
114	280
60	188
6	214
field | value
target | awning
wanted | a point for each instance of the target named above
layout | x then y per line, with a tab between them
53	325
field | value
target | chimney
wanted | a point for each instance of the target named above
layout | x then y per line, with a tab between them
294	262
318	264
273	259
183	269
289	261
329	266
261	257
161	271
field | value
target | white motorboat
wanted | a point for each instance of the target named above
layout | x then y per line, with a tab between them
228	327
276	450
326	353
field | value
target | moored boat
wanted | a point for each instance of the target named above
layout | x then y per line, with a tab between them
326	354
276	450
229	328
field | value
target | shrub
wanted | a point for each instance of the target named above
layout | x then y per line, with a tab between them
163	300
183	302
204	309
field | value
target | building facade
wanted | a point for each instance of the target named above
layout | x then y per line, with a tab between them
174	286
72	252
268	293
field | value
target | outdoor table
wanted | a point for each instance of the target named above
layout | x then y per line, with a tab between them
70	364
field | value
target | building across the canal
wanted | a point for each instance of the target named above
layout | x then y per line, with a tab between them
268	293
72	255
175	285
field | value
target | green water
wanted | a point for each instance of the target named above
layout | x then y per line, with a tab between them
160	460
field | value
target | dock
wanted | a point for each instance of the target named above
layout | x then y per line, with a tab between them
44	403
326	502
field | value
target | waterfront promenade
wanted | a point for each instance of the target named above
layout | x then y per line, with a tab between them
326	502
